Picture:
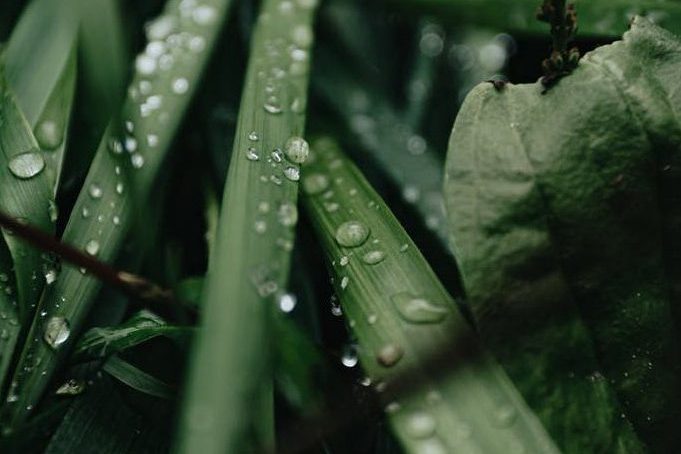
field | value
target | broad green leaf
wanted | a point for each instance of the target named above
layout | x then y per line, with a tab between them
402	316
564	219
249	262
596	17
142	327
119	182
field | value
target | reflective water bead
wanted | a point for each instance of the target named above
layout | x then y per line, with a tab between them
287	302
49	135
352	234
297	150
373	257
349	357
145	64
315	183
27	165
418	309
292	173
252	154
92	247
95	191
389	355
137	160
180	86
57	331
287	214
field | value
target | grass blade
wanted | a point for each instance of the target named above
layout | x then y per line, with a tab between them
136	378
401	314
105	210
596	17
250	258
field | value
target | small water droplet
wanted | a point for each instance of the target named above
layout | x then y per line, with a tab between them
72	387
302	36
119	188
95	191
287	214
116	220
27	165
204	14
180	86
344	260
92	247
253	136
137	160
349	357
420	425
418	309
57	331
315	183
272	105
352	234
52	210
389	355
50	276
252	154
344	282
145	64
297	150
260	227
292	173
373	257
152	140
287	302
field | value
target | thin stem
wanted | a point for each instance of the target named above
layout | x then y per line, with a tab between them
562	18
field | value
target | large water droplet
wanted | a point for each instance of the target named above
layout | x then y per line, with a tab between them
417	309
389	355
287	302
57	331
95	191
352	234
297	150
180	86
145	64
292	173
315	183
27	165
252	154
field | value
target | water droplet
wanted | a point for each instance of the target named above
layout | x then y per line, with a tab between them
92	247
344	282
420	425
344	260
392	408
197	44
349	358
252	154
204	14
180	86
52	210
50	276
260	227
130	144
72	387
95	191
292	173
404	247
315	183
297	150
287	214
161	27
287	302
253	136
119	188
302	36
389	355
352	234
116	220
137	160
145	64
435	446
336	309
272	105
57	331
417	309
27	165
504	416
49	135
373	257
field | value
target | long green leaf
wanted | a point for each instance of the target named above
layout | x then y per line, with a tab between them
136	378
249	262
596	17
118	181
401	314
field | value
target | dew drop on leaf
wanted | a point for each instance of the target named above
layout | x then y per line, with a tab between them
27	165
315	183
417	309
92	247
420	425
292	173
373	257
352	234
297	150
49	135
57	331
389	355
349	357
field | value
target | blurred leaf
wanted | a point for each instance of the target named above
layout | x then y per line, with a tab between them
564	215
249	262
401	315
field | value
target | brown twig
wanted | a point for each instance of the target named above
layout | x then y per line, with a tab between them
133	285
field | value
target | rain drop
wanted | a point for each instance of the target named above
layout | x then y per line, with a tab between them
137	160
180	86
92	247
292	173
297	150
253	136
49	135
315	183
420	425
287	214
349	358
252	154
373	257
287	302
95	191
389	355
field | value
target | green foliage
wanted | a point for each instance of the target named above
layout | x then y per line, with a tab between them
564	217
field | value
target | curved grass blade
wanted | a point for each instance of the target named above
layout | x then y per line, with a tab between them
117	182
250	258
596	17
401	314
